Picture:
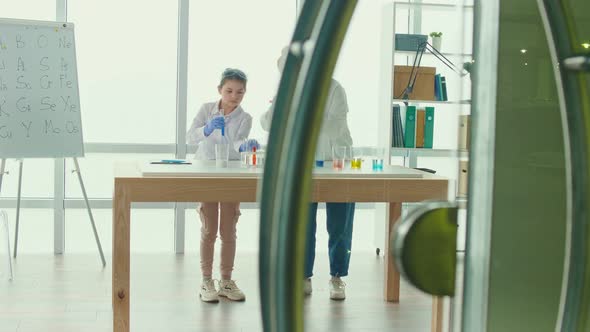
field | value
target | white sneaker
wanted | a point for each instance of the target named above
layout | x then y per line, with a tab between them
307	286
208	292
337	289
229	289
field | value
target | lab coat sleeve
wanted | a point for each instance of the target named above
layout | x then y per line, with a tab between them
337	105
266	118
335	120
195	134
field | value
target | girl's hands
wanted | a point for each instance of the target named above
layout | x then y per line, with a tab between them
215	123
248	145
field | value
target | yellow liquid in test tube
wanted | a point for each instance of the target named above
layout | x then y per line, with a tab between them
356	163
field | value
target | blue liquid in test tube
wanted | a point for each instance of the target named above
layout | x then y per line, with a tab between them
319	158
377	164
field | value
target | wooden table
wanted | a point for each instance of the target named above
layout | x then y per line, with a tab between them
137	182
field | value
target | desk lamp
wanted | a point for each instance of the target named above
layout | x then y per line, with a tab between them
423	47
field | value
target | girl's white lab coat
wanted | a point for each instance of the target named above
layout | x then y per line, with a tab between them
334	131
237	128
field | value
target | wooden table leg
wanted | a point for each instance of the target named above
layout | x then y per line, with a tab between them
437	314
121	257
391	290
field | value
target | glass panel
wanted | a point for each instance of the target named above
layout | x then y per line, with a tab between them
581	19
529	200
127	69
28	9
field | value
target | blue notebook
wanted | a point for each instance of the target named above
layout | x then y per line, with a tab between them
443	84
397	136
437	87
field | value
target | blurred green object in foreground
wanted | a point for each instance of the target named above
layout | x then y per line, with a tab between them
424	246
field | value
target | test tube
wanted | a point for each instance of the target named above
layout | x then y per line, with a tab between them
377	159
338	157
356	160
319	158
222	112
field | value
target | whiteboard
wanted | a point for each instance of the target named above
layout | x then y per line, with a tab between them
39	97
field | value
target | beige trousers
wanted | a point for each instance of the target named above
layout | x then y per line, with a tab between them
223	216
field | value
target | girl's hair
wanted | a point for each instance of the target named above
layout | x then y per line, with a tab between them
233	74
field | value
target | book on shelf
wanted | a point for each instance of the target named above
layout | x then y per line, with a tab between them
437	88
420	117
418	130
397	136
410	130
429	128
463	177
443	84
440	88
464	124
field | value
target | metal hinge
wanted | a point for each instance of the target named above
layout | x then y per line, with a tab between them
577	63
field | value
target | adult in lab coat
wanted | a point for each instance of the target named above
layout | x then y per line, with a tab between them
340	215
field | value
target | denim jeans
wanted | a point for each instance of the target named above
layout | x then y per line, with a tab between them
339	225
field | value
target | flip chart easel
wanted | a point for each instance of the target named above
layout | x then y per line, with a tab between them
39	99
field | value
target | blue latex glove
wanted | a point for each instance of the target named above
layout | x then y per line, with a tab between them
215	123
248	145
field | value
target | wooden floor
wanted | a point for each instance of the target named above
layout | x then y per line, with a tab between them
73	293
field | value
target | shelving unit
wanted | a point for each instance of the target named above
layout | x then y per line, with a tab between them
445	157
422	18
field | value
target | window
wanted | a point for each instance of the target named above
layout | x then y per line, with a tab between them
28	9
126	69
248	35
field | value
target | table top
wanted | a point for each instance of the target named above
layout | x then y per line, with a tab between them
139	181
236	170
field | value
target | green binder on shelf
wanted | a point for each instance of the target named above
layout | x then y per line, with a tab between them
429	128
410	132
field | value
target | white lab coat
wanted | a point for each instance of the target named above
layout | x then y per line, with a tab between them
334	131
237	128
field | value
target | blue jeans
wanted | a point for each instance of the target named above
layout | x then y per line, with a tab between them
339	225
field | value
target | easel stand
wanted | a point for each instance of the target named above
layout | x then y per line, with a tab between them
4	225
20	176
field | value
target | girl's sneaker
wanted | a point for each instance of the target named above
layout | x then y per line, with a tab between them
229	289
208	292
